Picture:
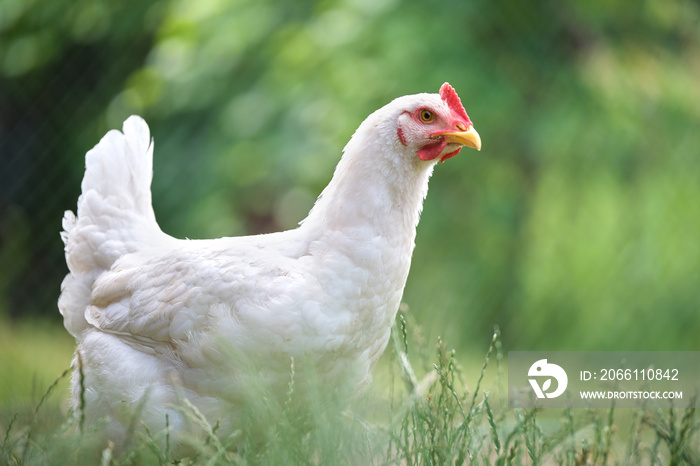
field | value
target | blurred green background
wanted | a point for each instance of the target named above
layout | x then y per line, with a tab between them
577	227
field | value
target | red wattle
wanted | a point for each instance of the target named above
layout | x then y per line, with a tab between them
449	155
432	150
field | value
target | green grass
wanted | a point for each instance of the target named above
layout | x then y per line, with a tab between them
422	409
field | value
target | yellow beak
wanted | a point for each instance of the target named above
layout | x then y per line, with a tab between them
469	138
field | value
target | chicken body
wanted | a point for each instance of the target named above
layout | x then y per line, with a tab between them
159	319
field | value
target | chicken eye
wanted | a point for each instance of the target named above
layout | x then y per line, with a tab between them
426	116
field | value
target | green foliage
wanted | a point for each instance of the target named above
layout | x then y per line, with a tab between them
575	228
425	419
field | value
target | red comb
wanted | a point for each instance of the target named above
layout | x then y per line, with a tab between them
449	95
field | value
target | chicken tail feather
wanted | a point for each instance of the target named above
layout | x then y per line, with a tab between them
115	215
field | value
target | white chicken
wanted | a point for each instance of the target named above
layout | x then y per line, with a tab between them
158	319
